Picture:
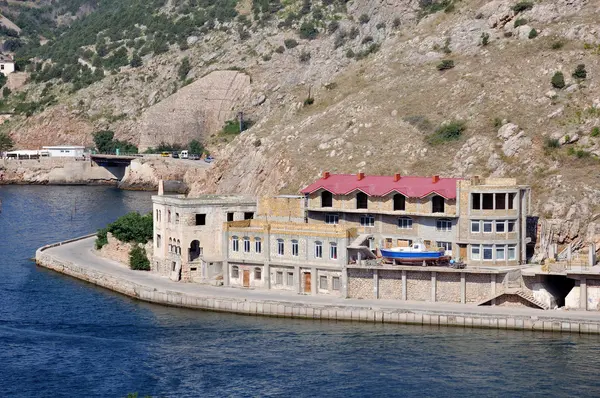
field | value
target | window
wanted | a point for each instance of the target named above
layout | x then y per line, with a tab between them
475	253
318	250
201	219
511	225
2	67
333	251
290	279
500	201
235	272
176	218
323	282
399	202
258	245
157	215
326	199
437	204
487	252
235	244
362	200
443	225
280	247
168	215
500	226
248	215
158	240
367	220
173	265
170	247
229	217
476	201
257	273
295	248
512	252
511	200
500	253
475	226
405	223
335	283
446	245
331	218
487	226
488	201
246	244
279	278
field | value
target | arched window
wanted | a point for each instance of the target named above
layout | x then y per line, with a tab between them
362	200
437	204
295	248
280	247
318	249
399	202
235	271
326	199
194	251
235	244
246	244
405	223
157	215
257	245
168	215
257	273
333	254
178	247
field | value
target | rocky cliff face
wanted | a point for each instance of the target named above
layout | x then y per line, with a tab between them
368	95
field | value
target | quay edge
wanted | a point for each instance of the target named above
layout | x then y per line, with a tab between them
306	310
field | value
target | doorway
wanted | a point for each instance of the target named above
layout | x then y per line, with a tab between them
462	252
246	280
307	279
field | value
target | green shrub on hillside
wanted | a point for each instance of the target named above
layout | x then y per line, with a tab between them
522	6
308	31
558	80
290	43
364	18
551	143
520	22
101	238
138	260
445	64
580	72
595	132
233	126
533	34
485	39
105	143
451	131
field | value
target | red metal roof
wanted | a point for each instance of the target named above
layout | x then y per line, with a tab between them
412	187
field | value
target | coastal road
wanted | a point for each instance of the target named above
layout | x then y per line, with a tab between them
81	253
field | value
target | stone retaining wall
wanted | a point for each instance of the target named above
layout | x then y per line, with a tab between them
281	308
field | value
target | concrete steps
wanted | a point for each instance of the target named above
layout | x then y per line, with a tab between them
525	294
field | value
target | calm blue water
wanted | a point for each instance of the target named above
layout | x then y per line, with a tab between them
60	337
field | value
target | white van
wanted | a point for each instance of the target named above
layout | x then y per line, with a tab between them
184	154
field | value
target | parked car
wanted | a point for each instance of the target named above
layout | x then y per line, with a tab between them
208	159
184	154
164	154
194	156
175	155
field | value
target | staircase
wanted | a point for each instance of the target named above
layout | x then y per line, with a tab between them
524	294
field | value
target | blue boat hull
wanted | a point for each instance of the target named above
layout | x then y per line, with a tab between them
411	255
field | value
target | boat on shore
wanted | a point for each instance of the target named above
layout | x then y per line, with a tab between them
417	252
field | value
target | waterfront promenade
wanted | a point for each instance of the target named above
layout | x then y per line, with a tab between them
77	258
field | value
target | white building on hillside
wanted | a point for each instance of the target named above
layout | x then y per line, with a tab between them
7	65
65	150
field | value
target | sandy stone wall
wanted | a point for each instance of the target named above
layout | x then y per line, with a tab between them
390	285
478	287
360	283
119	251
418	286
447	287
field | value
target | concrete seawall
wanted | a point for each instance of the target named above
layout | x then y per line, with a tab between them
247	302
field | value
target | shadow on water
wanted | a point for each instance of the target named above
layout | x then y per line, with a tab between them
61	337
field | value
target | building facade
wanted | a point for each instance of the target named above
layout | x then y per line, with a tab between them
480	221
187	233
7	65
64	151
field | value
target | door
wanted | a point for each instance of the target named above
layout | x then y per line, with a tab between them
462	252
307	278
246	278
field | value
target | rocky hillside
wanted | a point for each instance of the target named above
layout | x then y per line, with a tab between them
417	87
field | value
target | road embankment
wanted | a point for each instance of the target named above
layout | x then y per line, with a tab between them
77	259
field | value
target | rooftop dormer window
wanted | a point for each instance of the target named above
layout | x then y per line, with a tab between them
399	202
437	204
326	199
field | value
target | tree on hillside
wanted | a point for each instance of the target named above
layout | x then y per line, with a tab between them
104	141
196	147
6	143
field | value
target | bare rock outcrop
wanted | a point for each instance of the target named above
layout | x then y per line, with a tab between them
195	110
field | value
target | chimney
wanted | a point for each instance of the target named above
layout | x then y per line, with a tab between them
325	175
161	187
397	177
435	179
360	176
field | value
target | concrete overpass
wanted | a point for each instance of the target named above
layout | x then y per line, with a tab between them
115	164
